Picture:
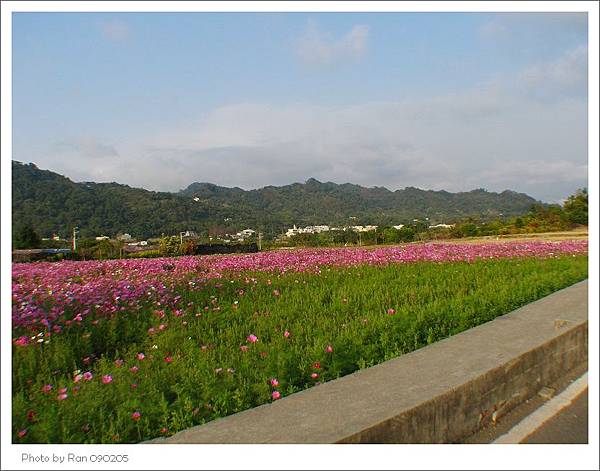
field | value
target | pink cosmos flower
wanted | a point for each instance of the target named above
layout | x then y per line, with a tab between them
141	356
286	334
22	341
274	382
62	397
275	395
314	375
252	338
119	362
134	385
168	359
329	349
391	311
164	430
77	378
62	390
244	348
134	369
88	376
107	379
22	433
317	365
47	388
136	415
275	292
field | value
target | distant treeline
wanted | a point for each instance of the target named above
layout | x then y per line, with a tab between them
541	218
52	203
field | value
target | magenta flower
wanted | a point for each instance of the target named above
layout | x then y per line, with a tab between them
88	376
62	390
168	359
107	379
274	382
136	415
134	369
22	433
329	349
275	292
244	348
314	375
119	362
141	356
391	311
77	378
286	334
275	395
47	388
62	397
252	338
134	385
22	341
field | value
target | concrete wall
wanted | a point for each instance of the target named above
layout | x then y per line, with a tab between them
438	394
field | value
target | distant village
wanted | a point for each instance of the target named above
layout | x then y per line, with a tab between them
132	245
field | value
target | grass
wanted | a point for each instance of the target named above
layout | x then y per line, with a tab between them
195	371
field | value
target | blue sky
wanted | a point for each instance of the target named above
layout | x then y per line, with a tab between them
443	101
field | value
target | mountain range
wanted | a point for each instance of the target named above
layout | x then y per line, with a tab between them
52	203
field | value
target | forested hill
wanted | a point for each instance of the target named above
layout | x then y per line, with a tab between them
53	203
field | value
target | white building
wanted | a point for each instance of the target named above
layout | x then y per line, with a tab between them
307	230
363	228
243	234
441	226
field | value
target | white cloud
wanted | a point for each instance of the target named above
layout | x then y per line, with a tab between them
499	135
568	73
506	26
322	48
114	30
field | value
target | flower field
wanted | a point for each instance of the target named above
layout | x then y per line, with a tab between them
122	351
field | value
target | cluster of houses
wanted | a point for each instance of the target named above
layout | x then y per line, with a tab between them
324	228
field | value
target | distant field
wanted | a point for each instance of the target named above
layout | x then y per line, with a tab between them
126	350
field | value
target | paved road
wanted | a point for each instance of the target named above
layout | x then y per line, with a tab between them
570	425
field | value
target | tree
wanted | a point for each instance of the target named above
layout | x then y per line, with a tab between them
26	238
576	207
170	245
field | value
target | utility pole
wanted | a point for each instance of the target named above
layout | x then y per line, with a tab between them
259	241
75	232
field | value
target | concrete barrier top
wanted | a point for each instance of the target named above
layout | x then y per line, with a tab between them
341	408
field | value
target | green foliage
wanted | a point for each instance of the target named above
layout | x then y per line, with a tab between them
92	249
210	376
576	207
170	245
26	238
54	203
